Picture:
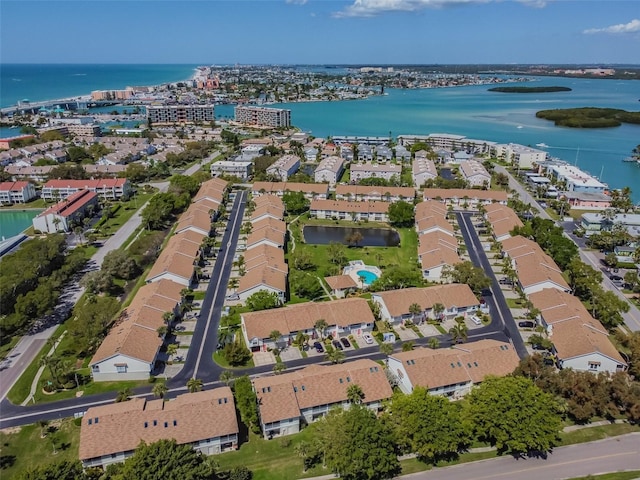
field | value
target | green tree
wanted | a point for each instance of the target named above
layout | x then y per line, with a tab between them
227	377
408	346
167	460
357	446
335	356
236	353
336	253
608	308
180	184
415	309
514	415
397	277
279	367
429	425
459	332
123	395
355	394
386	348
321	326
467	272
263	300
194	385
302	260
401	214
160	389
63	470
247	403
305	285
621	199
120	264
433	343
295	203
136	173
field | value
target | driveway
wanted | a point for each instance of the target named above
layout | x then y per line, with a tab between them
290	353
263	358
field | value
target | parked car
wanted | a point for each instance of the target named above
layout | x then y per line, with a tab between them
505	281
345	342
337	344
616	278
367	338
318	346
475	320
526	324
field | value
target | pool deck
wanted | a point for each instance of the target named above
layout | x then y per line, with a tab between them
357	265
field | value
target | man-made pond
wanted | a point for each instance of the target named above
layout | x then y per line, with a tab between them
371	237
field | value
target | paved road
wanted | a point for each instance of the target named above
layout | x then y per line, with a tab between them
632	317
496	300
29	345
610	455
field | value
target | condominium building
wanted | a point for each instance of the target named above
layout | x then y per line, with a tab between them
284	167
159	114
329	170
475	174
267	117
374	170
519	155
16	192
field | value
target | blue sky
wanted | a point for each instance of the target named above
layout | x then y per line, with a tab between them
320	31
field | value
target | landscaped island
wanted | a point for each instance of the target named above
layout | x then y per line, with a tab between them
529	89
589	117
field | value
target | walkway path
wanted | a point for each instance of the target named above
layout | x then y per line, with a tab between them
36	379
293	239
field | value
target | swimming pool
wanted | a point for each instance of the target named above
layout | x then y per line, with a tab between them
369	277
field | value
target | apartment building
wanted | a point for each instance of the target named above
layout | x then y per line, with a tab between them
288	401
263	116
309	190
374	193
519	155
452	372
204	420
422	170
374	170
329	170
475	174
63	215
502	220
284	167
241	170
345	210
465	198
107	188
191	114
16	192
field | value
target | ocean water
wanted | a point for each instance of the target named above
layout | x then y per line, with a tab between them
12	222
51	81
501	117
468	110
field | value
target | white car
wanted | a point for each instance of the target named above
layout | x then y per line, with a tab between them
476	320
367	338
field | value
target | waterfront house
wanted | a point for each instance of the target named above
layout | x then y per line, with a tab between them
108	188
62	216
345	210
289	400
16	192
452	372
370	193
205	420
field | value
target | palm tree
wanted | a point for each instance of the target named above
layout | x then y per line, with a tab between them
274	336
433	343
160	390
172	349
386	348
438	309
279	367
414	309
335	356
459	332
407	346
123	395
302	450
321	325
355	394
194	385
227	377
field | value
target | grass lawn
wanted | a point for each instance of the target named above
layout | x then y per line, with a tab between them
612	476
406	254
514	302
124	213
24	448
597	433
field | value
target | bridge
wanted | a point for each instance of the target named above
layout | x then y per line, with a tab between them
74	103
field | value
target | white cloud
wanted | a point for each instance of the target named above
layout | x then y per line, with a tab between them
371	8
632	27
296	2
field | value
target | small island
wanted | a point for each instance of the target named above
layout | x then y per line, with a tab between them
529	89
589	117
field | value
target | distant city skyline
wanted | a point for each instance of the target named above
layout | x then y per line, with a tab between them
320	32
